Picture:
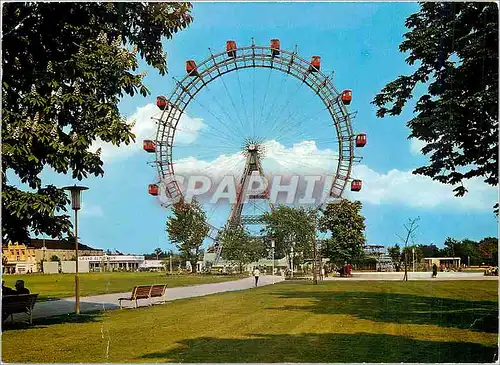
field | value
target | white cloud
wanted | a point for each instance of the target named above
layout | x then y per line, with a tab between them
91	210
403	187
393	187
145	128
416	146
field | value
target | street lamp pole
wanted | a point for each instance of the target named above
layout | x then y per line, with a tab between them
75	205
292	262
272	246
413	252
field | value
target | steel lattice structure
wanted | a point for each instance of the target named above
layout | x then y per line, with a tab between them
253	56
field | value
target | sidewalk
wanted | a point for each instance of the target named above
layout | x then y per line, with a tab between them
110	301
398	276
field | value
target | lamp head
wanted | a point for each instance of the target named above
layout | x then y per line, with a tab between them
75	195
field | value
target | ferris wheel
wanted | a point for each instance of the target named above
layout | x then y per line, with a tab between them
251	111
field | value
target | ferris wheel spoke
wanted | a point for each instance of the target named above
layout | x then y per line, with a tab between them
272	108
238	131
253	104
232	102
289	100
302	112
260	122
278	111
242	100
287	128
229	132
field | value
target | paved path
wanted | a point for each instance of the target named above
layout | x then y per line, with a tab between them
110	301
398	276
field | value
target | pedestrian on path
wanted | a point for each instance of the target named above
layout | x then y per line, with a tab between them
256	274
434	270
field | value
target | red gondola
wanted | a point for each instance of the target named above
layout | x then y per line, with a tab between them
361	140
346	97
315	64
231	48
356	185
149	146
162	102
153	189
191	68
275	47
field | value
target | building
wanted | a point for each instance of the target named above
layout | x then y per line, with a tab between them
17	258
442	262
229	266
152	265
64	250
114	262
22	258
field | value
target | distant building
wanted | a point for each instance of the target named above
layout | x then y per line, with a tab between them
114	262
17	258
442	262
22	258
229	266
152	265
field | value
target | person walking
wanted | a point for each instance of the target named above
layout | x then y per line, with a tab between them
256	274
434	270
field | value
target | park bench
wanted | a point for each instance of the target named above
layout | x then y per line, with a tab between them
146	292
19	303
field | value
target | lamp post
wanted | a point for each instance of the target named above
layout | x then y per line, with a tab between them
75	205
292	262
413	252
272	246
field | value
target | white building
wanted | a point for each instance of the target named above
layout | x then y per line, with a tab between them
114	262
152	265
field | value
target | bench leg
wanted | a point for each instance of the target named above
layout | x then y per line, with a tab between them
31	318
120	302
136	303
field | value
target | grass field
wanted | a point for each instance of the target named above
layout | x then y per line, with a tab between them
63	285
362	321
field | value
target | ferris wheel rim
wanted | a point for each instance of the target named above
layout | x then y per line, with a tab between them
188	87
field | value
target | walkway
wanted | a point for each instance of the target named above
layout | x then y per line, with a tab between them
110	301
398	276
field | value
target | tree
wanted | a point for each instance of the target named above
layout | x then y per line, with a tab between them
62	82
410	229
347	227
291	227
186	228
54	258
395	255
414	251
239	247
158	252
430	250
454	47
450	244
488	247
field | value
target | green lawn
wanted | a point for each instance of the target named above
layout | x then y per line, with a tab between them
370	321
62	285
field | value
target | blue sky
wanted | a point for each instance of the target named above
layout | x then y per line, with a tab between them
359	43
